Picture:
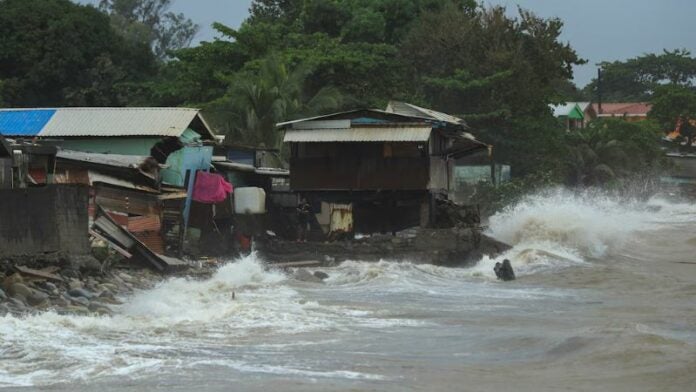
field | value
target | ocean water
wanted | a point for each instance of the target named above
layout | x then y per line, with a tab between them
604	301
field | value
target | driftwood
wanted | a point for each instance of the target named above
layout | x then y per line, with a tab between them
45	273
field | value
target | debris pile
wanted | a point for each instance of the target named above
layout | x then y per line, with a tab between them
448	215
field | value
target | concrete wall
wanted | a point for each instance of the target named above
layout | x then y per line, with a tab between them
44	220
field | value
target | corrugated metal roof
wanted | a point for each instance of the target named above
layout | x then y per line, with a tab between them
360	134
119	122
19	122
408	109
96	177
138	224
564	109
356	111
117	160
78	122
325	124
234	166
272	171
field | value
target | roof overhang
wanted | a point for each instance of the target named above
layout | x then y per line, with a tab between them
359	134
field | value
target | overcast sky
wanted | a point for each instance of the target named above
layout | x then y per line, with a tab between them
598	29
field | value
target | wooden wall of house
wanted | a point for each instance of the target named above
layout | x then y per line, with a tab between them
359	166
6	173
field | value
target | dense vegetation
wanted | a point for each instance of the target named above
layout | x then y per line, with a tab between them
639	79
294	58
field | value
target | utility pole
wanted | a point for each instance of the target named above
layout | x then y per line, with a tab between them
599	90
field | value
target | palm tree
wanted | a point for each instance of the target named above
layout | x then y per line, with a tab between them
595	157
274	93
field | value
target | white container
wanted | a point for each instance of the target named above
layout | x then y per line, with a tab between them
249	200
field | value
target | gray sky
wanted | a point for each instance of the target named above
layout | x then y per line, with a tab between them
598	29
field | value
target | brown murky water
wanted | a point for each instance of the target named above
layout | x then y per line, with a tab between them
604	301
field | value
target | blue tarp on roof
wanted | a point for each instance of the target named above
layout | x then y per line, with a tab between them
24	122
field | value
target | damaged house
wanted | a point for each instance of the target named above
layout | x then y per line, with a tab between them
36	216
372	170
139	165
177	137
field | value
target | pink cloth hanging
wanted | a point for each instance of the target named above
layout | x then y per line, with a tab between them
210	188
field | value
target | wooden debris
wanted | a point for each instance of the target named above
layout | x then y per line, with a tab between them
293	264
118	236
32	273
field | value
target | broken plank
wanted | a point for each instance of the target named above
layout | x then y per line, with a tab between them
112	245
293	264
38	274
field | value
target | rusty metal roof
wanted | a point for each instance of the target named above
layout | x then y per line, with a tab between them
360	134
96	177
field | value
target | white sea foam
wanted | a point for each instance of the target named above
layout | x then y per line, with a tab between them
178	314
559	228
187	323
581	222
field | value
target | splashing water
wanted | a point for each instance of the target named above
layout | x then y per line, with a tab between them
178	314
395	323
585	223
560	228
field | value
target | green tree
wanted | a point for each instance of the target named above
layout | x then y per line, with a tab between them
611	150
497	72
265	94
56	53
637	79
453	55
150	22
490	67
675	107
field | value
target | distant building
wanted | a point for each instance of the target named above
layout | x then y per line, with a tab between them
570	114
629	111
374	170
574	115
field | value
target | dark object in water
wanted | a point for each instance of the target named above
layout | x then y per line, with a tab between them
504	271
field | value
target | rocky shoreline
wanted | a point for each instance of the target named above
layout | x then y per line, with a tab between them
93	284
67	285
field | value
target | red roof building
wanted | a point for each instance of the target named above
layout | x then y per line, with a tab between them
631	111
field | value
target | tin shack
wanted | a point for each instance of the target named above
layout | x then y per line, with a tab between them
370	170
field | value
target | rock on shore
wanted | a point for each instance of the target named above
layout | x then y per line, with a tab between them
66	285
